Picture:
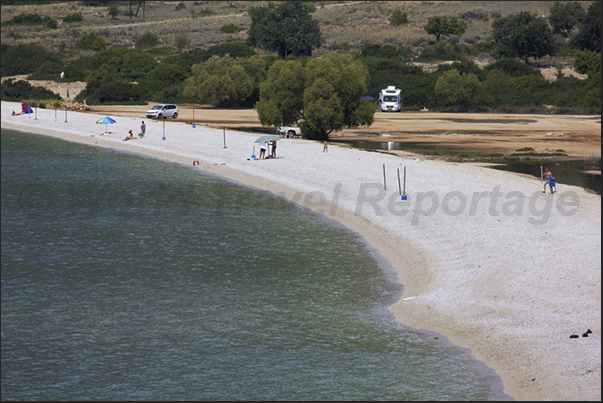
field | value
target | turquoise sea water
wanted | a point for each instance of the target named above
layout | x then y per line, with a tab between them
129	278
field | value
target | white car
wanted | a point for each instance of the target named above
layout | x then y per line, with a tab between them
162	111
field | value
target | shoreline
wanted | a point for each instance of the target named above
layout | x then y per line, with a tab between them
508	285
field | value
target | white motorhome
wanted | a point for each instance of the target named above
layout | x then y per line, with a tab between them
390	99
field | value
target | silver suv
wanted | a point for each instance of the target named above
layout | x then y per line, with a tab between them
163	111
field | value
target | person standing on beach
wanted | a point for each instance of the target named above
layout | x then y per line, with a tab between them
262	151
325	148
273	144
143	128
547	175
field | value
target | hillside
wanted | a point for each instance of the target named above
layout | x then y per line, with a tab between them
347	26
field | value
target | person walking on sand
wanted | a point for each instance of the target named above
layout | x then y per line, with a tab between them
547	175
143	128
325	148
552	184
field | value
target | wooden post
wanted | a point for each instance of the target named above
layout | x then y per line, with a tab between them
384	184
399	188
65	113
224	135
404	193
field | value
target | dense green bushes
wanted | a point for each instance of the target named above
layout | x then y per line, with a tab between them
24	59
134	76
21	90
32	19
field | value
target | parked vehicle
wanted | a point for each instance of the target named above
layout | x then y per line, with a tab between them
162	111
390	99
289	131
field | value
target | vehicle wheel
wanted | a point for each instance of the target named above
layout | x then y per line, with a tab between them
160	116
175	115
290	134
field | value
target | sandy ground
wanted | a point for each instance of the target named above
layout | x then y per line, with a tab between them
486	259
578	136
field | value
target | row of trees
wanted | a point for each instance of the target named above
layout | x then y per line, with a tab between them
325	94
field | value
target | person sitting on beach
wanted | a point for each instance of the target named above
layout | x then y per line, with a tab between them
130	137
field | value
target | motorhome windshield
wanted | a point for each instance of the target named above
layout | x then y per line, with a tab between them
390	98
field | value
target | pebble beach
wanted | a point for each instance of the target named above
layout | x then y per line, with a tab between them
486	258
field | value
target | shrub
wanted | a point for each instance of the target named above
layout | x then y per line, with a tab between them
444	51
32	19
74	17
147	40
182	42
91	41
117	91
230	28
398	18
513	67
236	49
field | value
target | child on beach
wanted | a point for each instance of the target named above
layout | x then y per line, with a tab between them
325	148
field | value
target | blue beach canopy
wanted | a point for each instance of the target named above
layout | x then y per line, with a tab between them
105	121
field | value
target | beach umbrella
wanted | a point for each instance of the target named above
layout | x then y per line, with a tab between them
268	138
106	121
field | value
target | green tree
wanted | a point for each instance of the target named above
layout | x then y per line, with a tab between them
287	29
325	96
522	35
281	102
182	42
589	35
91	41
454	89
439	26
221	79
565	17
587	62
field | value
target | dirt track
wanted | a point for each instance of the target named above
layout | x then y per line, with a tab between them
578	136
